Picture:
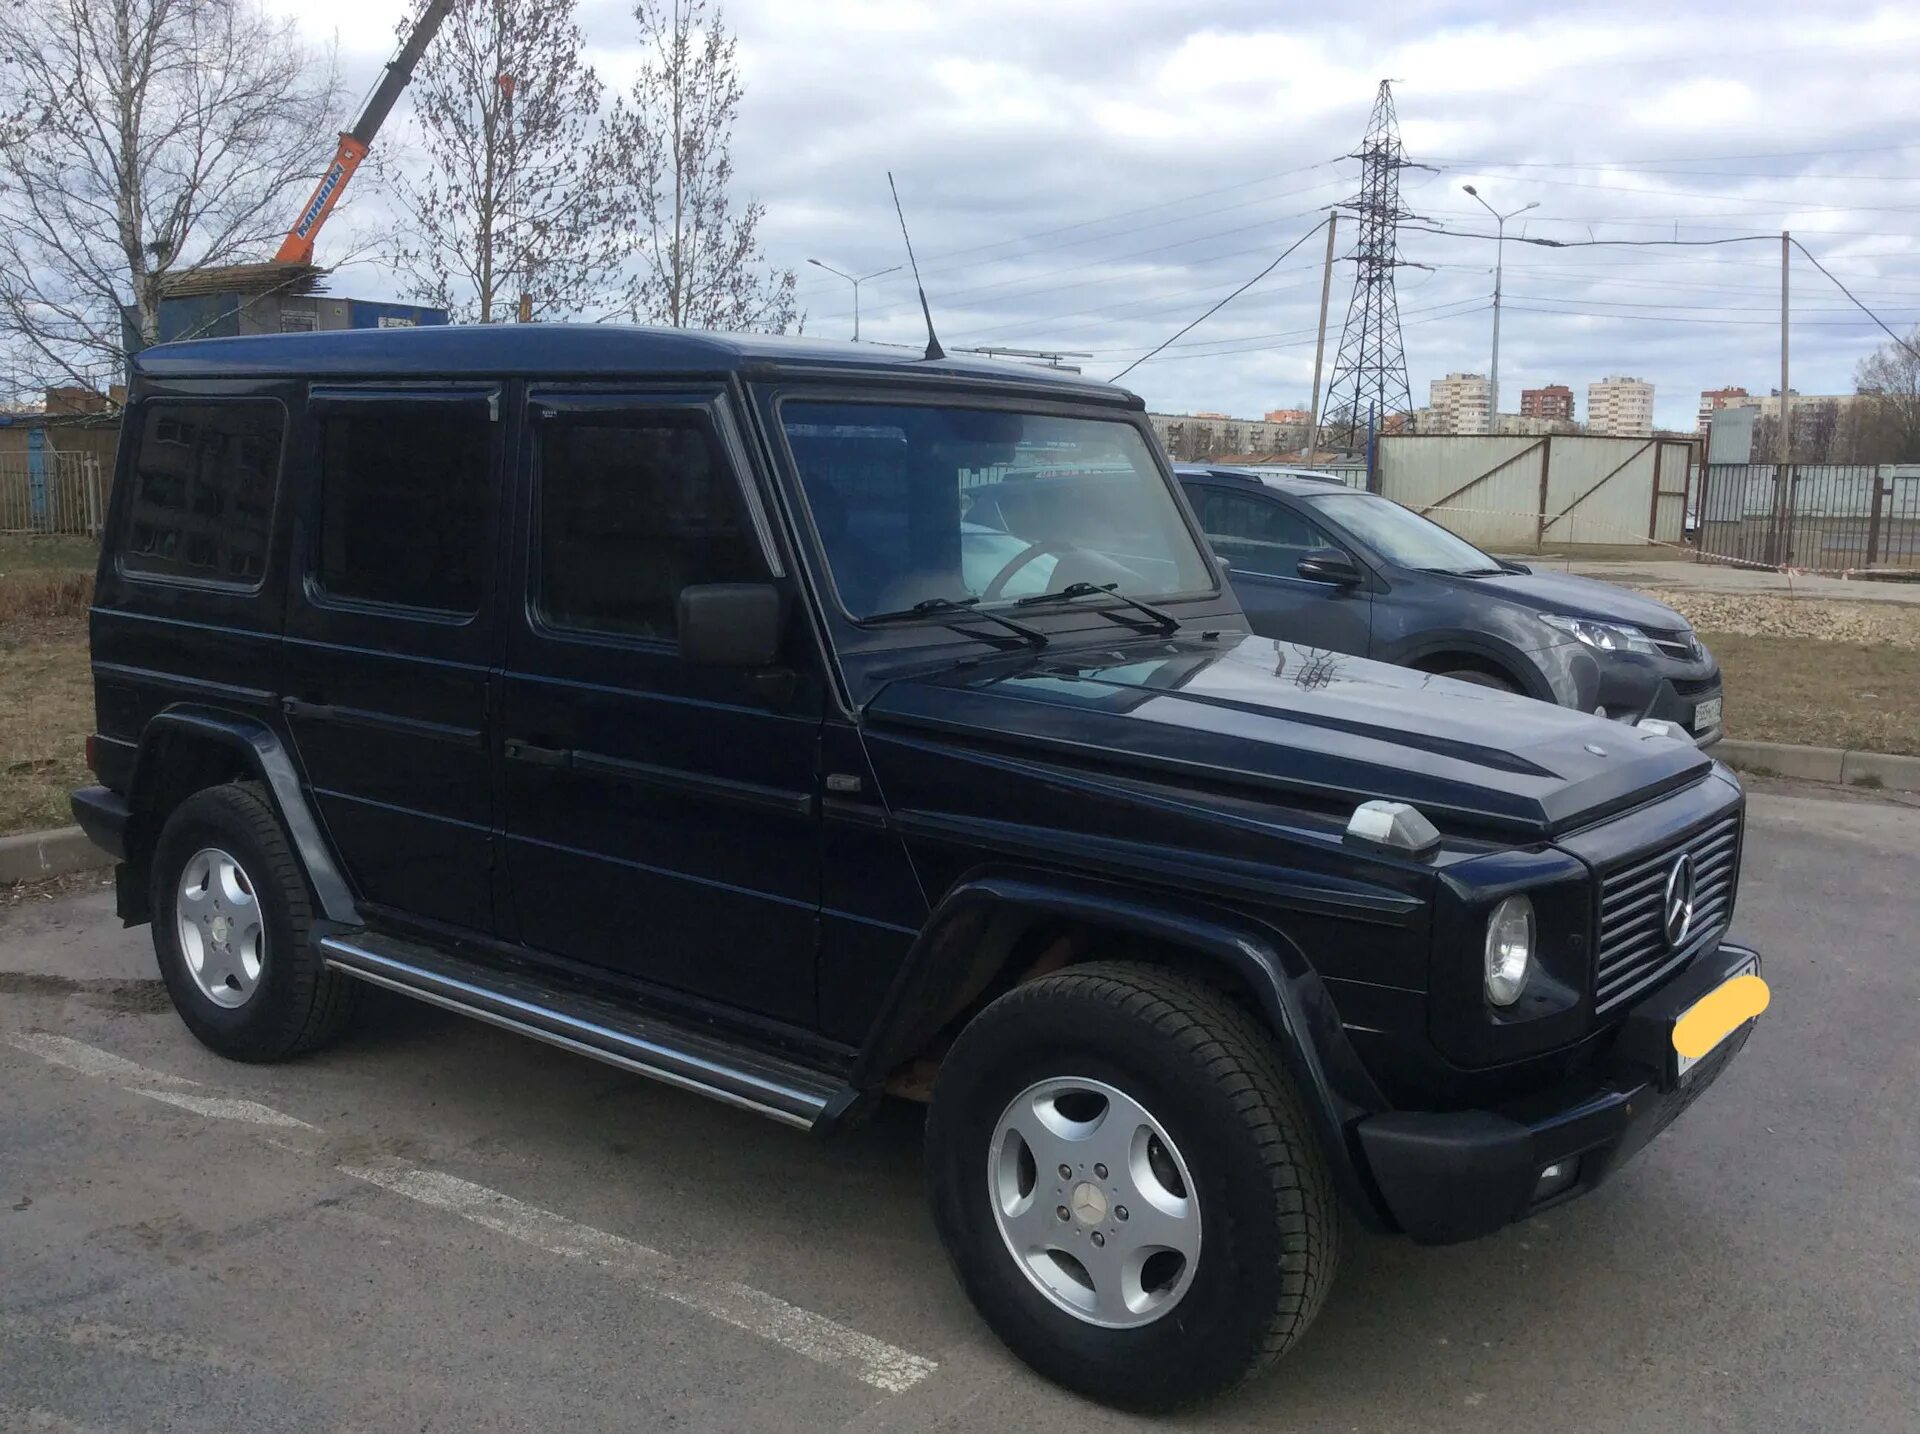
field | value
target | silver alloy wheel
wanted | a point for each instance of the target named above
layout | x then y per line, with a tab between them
223	934
1094	1202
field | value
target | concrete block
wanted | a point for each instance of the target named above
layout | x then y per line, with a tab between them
1810	764
1896	774
37	856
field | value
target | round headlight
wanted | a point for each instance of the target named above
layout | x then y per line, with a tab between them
1509	949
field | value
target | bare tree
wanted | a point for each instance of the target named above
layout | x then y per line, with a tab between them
513	203
141	141
1889	422
701	261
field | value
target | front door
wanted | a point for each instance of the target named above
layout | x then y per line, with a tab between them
1263	540
660	817
388	640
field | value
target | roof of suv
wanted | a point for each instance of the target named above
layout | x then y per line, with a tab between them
1286	480
580	350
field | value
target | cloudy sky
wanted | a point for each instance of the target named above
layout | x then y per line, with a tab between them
1091	176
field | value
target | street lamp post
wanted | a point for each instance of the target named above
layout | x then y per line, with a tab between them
1499	254
856	288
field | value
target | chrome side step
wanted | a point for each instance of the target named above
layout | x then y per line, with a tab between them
692	1060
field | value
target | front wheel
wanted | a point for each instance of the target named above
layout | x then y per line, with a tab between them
1127	1186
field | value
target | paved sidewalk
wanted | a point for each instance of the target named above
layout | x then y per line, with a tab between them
1684	576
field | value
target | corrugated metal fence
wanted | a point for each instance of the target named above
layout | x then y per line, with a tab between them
52	493
1526	493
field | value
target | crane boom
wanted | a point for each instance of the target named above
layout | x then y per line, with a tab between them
297	247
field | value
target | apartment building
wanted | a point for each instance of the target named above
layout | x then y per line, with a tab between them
1554	401
1621	407
1460	403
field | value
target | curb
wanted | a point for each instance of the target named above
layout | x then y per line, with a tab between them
1824	764
39	856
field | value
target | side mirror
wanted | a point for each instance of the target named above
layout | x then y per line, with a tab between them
1329	565
730	624
1225	567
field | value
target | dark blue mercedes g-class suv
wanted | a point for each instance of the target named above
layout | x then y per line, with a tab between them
800	723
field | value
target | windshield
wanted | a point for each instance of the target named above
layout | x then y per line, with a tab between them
1402	536
914	503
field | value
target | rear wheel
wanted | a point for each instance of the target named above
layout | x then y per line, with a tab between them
231	925
1127	1186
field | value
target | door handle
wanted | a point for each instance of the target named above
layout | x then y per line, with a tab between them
522	751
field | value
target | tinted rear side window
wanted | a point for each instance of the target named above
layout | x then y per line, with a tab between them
203	485
404	493
631	512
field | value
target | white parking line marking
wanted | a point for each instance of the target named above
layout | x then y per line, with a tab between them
89	1060
227	1108
825	1341
873	1361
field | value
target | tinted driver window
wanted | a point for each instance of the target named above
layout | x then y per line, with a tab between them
631	511
1257	535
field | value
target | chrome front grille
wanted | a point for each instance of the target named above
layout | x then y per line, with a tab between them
1634	951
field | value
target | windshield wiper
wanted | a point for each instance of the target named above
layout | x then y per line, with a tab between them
963	608
1162	619
1464	572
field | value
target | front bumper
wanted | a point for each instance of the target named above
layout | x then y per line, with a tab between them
1630	686
1457	1175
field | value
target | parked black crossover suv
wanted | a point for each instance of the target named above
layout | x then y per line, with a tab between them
1315	562
799	723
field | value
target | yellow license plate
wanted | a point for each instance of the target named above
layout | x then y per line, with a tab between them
1717	1015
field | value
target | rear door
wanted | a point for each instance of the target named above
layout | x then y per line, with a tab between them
1263	538
389	630
660	817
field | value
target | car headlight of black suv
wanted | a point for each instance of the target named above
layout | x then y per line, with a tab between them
1512	958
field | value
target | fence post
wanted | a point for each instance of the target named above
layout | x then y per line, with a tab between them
37	478
1873	521
1653	505
1540	518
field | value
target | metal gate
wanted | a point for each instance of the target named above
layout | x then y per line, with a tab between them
1827	517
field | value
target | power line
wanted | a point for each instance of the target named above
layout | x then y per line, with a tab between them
1122	214
1849	293
1454	159
1224	302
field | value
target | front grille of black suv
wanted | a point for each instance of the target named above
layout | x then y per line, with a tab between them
1634	953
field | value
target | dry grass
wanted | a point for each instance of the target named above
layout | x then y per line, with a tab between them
46	711
1862	696
46	691
21	551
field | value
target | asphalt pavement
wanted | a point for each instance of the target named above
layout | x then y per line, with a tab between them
438	1226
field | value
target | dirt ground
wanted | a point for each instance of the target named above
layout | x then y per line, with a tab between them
1814	672
46	692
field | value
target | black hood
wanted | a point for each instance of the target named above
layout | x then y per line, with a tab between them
1323	726
1576	597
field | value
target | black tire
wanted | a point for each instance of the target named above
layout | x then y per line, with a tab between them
298	1004
1482	679
1207	1071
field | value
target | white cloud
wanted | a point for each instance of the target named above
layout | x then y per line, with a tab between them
1091	176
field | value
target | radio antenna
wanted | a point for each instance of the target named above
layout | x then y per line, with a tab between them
934	351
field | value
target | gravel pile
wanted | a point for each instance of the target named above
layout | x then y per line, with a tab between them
1871	624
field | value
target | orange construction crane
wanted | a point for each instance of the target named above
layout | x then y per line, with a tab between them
297	247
